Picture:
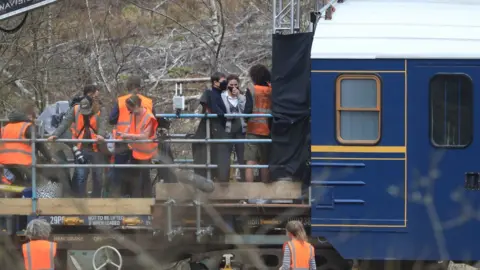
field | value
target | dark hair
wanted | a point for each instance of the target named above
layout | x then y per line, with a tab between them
28	107
233	77
133	83
134	101
90	89
216	77
260	75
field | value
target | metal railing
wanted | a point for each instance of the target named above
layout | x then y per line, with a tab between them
207	140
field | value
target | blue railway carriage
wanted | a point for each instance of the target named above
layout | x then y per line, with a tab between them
395	161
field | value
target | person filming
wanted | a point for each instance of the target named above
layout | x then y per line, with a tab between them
88	123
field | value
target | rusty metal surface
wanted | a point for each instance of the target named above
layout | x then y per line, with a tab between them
185	214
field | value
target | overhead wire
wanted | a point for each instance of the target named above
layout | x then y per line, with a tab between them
16	28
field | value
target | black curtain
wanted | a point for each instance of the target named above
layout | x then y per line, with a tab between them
291	106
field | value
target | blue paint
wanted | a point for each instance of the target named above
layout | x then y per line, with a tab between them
360	209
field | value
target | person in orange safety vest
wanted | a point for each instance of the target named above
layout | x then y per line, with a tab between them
17	156
142	126
259	127
39	253
298	254
120	117
89	123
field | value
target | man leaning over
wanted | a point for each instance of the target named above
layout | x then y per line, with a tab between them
17	156
89	123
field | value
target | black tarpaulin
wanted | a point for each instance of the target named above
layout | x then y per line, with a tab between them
291	105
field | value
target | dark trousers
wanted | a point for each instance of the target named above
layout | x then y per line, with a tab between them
138	184
80	176
239	151
118	175
221	157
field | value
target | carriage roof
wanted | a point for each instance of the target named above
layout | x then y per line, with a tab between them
427	29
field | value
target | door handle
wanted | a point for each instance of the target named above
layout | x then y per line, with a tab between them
472	181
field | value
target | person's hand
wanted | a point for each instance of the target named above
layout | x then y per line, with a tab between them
52	138
100	138
125	136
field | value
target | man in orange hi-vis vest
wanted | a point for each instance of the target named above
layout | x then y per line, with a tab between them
39	253
259	127
143	126
120	117
17	156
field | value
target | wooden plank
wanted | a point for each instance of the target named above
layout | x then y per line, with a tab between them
70	206
15	206
233	191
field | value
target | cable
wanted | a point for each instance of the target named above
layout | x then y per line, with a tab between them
18	27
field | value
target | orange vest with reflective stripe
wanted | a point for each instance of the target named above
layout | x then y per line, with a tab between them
15	153
143	151
262	104
124	114
39	255
301	254
78	131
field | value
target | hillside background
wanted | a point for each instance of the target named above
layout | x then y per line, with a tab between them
69	44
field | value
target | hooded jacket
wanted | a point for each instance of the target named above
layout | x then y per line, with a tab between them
15	117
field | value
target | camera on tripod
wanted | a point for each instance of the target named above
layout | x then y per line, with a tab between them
79	157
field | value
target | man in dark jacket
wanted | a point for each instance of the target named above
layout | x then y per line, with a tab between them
212	102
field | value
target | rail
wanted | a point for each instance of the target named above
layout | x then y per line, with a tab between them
207	140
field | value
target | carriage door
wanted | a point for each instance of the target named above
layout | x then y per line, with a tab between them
443	155
358	146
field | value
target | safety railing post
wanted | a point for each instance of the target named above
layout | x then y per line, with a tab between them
34	168
198	202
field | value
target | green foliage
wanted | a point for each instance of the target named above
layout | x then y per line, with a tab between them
179	72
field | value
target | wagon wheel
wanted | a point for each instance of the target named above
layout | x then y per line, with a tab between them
105	250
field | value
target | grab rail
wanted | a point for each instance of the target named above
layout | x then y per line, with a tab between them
207	141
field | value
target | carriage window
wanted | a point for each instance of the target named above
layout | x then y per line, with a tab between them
358	109
451	110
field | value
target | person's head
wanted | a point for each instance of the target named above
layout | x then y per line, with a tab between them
232	82
260	75
134	104
91	91
219	80
38	229
29	109
86	106
134	84
296	230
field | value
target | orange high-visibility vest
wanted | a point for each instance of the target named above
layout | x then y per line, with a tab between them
143	151
78	131
39	255
15	153
124	114
301	254
5	180
262	104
